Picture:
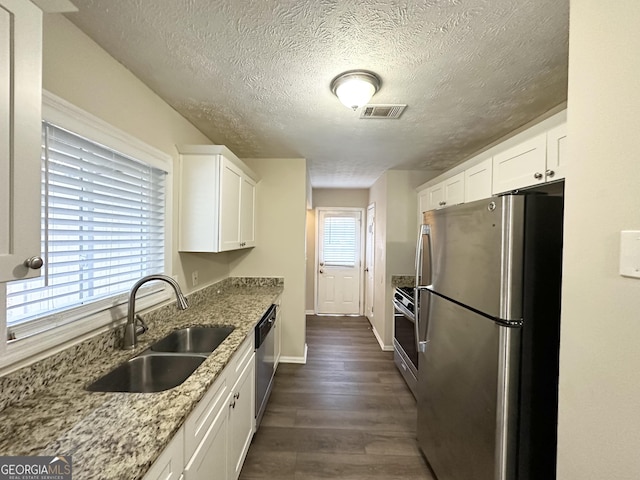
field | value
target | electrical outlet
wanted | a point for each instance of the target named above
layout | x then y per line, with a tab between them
194	278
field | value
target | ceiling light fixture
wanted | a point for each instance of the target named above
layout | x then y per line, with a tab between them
355	87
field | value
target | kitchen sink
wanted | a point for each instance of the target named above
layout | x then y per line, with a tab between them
148	373
192	340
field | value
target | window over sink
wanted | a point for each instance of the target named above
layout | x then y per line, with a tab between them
104	225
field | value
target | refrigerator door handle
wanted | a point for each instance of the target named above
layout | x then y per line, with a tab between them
423	232
421	345
424	236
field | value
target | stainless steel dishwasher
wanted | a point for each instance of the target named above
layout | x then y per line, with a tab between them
265	360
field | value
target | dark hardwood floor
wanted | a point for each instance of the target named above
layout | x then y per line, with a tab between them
346	414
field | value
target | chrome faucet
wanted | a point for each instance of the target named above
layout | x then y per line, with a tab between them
130	330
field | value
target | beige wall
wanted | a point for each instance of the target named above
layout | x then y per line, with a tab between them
396	226
78	70
280	229
326	197
599	424
378	197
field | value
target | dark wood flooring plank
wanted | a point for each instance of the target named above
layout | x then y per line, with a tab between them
371	420
346	414
311	466
314	440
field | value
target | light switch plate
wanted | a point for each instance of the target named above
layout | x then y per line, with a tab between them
630	253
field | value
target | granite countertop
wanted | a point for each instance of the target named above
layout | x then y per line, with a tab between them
120	435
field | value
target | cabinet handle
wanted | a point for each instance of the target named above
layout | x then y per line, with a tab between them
232	405
537	176
442	204
236	396
34	263
550	173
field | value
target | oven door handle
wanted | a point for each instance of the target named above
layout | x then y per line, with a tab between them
404	311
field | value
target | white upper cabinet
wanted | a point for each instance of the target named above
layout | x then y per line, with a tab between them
477	181
217	200
248	213
435	196
556	152
446	193
520	166
534	156
20	137
538	158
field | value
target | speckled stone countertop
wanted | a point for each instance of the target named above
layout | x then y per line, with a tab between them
403	280
120	435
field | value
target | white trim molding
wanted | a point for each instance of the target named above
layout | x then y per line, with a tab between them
298	360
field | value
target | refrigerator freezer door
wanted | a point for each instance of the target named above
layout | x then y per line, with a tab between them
476	255
464	425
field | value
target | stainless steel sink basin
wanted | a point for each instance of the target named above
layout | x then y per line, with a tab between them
193	340
148	373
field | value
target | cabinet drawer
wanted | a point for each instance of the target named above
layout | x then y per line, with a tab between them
203	415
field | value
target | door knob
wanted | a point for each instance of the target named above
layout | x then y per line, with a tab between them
321	271
550	173
537	176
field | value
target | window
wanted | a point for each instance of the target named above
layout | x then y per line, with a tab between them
340	241
103	227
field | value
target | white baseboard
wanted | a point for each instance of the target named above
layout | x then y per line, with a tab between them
383	347
310	312
300	360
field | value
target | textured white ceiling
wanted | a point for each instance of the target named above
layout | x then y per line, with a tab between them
254	75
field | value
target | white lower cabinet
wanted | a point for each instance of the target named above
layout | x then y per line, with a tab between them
170	463
211	455
241	419
278	334
215	438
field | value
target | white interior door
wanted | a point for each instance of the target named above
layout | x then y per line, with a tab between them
369	263
339	261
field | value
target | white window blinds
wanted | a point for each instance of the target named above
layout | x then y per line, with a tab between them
103	217
340	241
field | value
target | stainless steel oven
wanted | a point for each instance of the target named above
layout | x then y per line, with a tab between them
405	353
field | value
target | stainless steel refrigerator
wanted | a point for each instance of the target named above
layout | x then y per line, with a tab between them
488	276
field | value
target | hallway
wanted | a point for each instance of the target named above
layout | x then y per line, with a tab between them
345	414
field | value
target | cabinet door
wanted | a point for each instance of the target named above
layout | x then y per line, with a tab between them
423	202
454	190
169	464
556	153
247	213
20	136
520	166
477	181
278	336
210	459
241	419
204	414
435	196
229	208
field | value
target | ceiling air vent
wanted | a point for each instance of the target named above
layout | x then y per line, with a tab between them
382	111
